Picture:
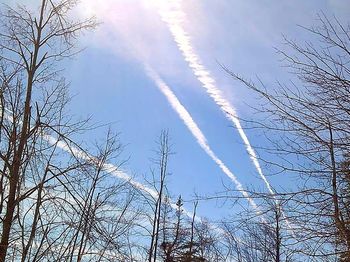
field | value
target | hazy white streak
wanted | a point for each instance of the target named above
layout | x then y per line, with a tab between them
107	167
172	15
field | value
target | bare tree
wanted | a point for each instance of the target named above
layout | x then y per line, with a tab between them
186	238
162	162
52	206
308	127
251	235
173	235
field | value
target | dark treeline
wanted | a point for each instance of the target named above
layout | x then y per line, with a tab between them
59	202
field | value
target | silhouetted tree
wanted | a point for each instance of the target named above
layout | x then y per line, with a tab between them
53	206
162	162
308	126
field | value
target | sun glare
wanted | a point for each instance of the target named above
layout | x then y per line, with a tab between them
89	7
104	8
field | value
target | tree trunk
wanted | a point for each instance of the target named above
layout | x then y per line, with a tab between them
17	159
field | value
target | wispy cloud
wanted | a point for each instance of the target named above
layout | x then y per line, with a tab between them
196	131
172	14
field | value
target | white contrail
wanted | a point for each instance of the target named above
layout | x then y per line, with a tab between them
107	167
196	132
172	14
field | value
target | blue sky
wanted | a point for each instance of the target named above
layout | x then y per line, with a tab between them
110	82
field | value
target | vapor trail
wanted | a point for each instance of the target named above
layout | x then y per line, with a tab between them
107	167
172	14
196	132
